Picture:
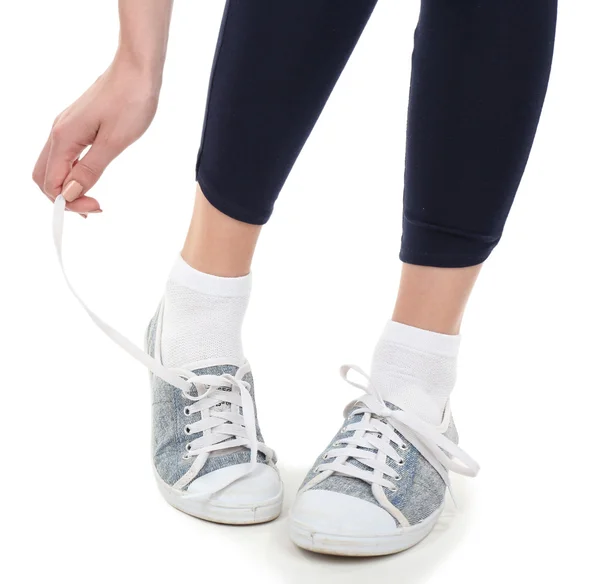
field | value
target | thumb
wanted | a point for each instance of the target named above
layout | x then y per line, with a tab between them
86	172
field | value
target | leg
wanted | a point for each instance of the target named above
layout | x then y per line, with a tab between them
433	298
218	244
275	66
466	154
480	72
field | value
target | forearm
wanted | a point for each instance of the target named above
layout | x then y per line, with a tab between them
144	34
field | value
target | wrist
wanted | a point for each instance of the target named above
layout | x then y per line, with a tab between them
147	68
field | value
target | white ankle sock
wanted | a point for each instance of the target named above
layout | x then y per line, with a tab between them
415	369
203	316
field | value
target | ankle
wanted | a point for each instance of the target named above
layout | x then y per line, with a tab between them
434	299
415	369
217	244
203	316
215	264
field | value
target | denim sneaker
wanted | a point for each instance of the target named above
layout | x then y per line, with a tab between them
379	487
209	457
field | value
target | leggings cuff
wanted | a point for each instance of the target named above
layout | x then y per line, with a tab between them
440	260
227	207
436	246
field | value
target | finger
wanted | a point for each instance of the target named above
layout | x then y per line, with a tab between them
84	174
64	150
71	188
84	205
39	170
79	203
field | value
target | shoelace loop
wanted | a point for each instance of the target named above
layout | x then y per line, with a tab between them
370	443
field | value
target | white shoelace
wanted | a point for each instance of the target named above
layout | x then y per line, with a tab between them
221	429
372	440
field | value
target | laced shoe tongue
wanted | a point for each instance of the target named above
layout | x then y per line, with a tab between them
225	406
358	463
351	459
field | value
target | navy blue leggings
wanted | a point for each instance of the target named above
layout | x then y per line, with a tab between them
479	78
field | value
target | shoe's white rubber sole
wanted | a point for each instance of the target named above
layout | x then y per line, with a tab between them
343	545
217	511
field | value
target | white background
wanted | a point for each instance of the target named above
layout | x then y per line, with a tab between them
78	501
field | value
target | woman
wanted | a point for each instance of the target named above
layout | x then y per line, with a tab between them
480	73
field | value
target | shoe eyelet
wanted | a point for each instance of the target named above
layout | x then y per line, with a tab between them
187	430
188	446
397	477
393	490
336	443
403	447
325	456
401	462
344	429
186	411
185	456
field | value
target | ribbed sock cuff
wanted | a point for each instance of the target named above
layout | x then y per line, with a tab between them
183	274
421	339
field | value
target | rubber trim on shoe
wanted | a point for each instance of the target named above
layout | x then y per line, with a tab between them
338	545
218	512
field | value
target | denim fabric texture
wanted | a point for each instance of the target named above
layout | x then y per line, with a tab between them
420	489
169	420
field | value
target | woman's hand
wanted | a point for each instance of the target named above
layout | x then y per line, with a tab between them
112	114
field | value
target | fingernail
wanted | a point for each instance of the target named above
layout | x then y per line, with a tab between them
83	215
72	191
97	211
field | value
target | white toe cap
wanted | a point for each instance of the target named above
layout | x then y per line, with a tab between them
334	513
262	485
